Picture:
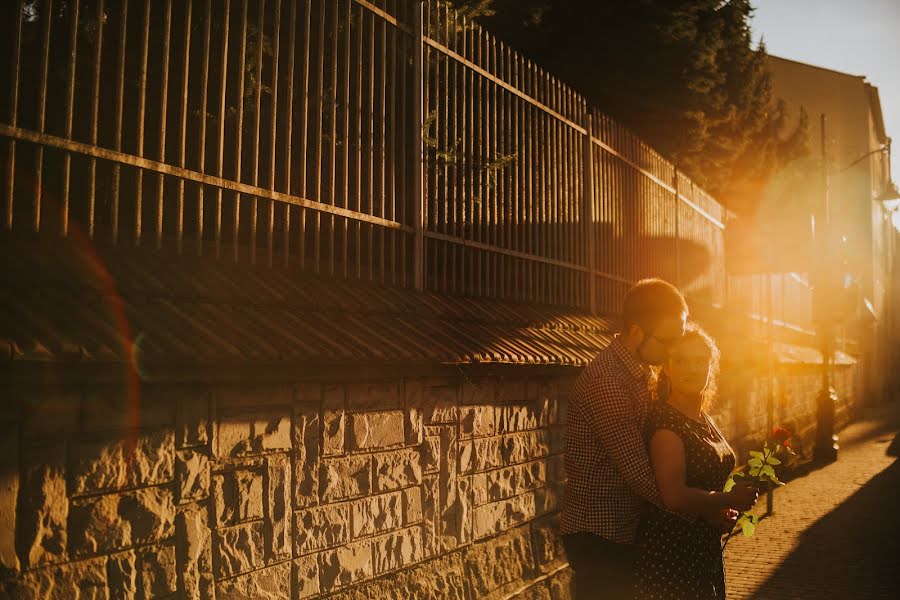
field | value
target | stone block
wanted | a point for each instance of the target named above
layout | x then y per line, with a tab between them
122	575
466	457
376	430
237	496
239	549
562	584
345	477
272	583
345	565
334	420
9	491
397	550
488	519
374	395
306	577
431	454
556	468
306	451
157	570
412	505
376	514
431	498
120	462
512	418
115	408
500	561
192	474
84	580
414	417
439	579
106	523
278	507
526	446
397	469
440	405
42	528
249	431
522	508
192	417
487	453
194	550
511	481
320	528
477	421
547	544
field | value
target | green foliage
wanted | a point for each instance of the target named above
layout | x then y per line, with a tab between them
761	472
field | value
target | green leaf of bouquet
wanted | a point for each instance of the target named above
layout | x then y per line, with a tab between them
754	471
773	461
756	454
768	470
729	484
748	527
755	462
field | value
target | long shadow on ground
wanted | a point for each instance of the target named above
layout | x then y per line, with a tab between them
851	553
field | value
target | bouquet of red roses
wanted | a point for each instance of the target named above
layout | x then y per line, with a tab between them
761	471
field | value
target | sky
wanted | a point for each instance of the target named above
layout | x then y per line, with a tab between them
860	37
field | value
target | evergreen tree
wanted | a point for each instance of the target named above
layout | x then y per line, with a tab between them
682	74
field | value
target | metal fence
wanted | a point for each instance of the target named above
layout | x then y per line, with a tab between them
390	140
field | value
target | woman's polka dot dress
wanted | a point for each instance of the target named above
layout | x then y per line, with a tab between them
681	558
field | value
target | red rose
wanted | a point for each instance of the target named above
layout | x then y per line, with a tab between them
781	436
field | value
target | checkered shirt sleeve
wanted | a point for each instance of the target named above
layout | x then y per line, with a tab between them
607	464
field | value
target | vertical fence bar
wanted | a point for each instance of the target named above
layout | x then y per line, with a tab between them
14	113
70	109
117	141
42	110
239	131
304	128
142	107
404	156
382	171
204	87
345	135
257	108
317	164
289	122
164	101
182	140
418	151
332	182
95	113
358	136
273	124
392	146
677	202
223	88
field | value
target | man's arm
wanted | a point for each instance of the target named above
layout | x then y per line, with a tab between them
609	414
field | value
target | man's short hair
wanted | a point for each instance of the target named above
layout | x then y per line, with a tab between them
649	301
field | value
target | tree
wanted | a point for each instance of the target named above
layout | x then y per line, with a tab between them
682	74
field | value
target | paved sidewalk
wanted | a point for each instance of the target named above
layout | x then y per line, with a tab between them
835	532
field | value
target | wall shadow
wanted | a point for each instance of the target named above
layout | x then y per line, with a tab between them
850	553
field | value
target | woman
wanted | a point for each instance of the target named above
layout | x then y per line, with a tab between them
680	555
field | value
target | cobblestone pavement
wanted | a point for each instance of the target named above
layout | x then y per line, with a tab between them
834	532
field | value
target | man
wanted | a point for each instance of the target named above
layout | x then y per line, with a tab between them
607	464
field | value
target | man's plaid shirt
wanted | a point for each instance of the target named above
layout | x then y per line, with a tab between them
607	464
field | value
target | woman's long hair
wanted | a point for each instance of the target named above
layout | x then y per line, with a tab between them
664	385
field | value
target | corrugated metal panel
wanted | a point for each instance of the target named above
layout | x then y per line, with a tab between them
65	302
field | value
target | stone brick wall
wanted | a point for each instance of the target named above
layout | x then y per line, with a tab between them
415	488
392	488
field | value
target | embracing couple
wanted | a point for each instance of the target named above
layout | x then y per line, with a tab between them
643	513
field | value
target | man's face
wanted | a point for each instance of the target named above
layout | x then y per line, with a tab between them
654	347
